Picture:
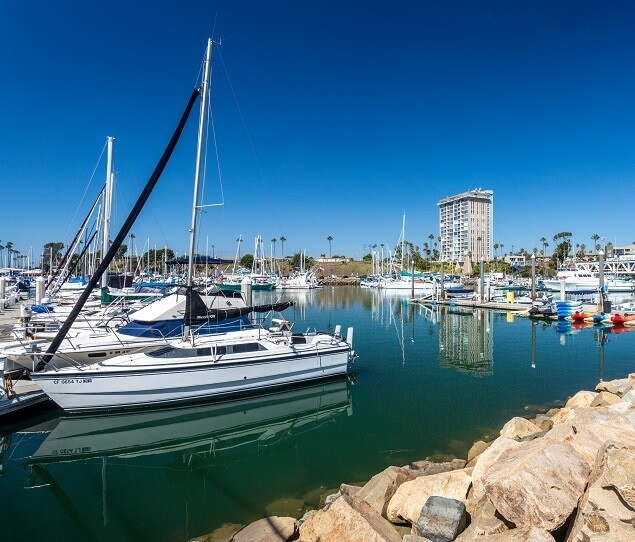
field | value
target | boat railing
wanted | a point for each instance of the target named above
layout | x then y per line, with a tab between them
68	361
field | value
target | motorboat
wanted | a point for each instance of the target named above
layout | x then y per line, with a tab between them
581	281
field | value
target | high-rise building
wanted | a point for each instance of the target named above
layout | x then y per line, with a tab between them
466	226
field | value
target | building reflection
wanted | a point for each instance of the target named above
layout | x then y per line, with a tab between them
465	340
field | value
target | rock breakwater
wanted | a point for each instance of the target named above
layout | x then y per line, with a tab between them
564	476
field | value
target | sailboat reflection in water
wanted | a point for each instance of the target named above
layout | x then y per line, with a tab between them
211	430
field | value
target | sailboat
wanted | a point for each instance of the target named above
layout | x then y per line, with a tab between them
197	367
109	333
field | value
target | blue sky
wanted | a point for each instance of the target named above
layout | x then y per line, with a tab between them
331	118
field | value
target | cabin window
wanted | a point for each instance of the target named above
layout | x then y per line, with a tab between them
247	347
97	355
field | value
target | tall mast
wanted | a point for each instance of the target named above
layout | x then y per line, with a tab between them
105	243
199	153
403	237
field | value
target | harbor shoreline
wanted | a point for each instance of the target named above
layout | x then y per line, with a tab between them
495	493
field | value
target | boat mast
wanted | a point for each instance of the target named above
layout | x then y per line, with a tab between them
403	238
199	153
105	242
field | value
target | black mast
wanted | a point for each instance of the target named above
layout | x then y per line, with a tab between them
109	256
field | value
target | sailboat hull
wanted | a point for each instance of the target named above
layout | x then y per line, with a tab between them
142	380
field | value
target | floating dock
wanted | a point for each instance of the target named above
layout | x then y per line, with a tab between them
515	307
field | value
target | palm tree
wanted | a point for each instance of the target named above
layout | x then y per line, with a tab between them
9	247
282	240
595	238
329	239
274	246
543	242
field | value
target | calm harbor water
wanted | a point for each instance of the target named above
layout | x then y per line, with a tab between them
427	383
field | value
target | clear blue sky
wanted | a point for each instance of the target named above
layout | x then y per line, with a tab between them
354	112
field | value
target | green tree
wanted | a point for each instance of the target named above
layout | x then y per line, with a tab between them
296	261
563	247
121	251
247	261
51	252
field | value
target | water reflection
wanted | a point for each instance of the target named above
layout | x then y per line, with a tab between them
466	340
211	431
179	458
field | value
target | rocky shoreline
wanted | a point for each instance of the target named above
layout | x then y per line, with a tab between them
567	475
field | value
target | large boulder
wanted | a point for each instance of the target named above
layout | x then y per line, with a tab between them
441	519
349	519
537	483
607	510
271	529
486	460
625	407
517	428
618	387
381	487
425	467
485	521
588	429
605	398
581	399
410	496
529	534
477	449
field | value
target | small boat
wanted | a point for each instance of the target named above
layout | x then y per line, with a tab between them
601	318
580	316
620	319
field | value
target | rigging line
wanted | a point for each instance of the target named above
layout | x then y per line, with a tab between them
253	150
210	117
85	190
220	177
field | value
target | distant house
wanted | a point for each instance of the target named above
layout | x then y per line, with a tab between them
334	259
516	260
626	250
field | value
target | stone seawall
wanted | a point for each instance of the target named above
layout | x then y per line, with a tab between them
567	475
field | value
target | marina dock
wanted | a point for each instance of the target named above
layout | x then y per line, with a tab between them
515	307
15	394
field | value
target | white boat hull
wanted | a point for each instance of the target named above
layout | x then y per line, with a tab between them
139	380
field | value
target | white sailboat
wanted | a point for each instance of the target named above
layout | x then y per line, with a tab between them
199	367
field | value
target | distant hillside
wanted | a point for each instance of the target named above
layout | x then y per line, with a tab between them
341	269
